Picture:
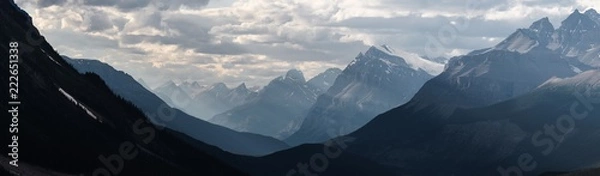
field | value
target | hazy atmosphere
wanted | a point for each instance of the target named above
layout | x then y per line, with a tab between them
254	41
299	87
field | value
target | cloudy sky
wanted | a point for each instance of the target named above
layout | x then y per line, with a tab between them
254	41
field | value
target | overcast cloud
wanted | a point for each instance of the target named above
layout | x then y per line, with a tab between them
254	41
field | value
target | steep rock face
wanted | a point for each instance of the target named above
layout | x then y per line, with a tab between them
577	37
323	81
280	107
373	83
516	65
68	120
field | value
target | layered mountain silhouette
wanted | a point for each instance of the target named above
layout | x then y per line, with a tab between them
520	110
280	107
218	98
204	102
374	82
72	124
125	86
527	106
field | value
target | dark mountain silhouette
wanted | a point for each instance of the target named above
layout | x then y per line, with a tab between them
69	121
487	111
125	86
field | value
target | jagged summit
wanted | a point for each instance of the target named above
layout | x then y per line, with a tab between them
242	86
578	21
590	11
542	25
295	75
219	86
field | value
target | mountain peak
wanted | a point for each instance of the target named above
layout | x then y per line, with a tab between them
333	70
388	48
169	83
574	17
579	22
219	86
413	60
542	25
591	12
296	75
242	87
383	48
196	84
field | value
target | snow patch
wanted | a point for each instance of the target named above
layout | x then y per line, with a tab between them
68	96
50	57
518	42
415	61
575	69
589	78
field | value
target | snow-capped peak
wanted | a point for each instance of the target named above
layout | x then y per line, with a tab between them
415	61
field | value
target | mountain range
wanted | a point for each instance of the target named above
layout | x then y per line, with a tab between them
378	80
204	101
280	107
127	87
528	106
495	111
73	124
